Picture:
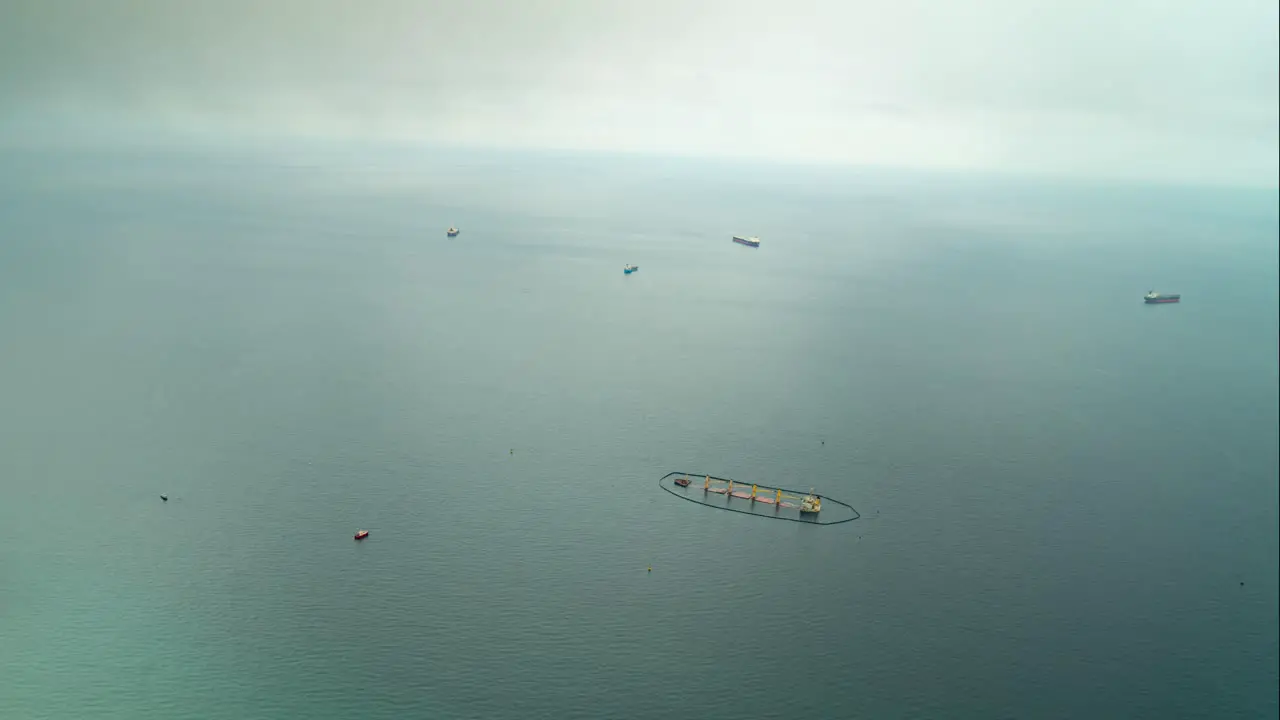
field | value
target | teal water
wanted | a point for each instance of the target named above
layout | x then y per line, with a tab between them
1062	489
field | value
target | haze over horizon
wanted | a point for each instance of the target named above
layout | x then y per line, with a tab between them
1169	92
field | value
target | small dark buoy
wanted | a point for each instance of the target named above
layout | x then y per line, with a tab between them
1241	583
164	498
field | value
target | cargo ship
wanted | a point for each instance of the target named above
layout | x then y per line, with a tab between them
1155	298
726	488
748	241
761	500
452	232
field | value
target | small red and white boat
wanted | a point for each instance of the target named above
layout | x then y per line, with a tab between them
362	534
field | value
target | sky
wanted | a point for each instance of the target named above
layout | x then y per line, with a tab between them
1172	91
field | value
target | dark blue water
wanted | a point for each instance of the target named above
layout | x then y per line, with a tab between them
1069	498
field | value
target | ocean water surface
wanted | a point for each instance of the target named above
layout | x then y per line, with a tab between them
1069	498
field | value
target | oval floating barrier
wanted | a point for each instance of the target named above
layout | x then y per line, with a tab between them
723	489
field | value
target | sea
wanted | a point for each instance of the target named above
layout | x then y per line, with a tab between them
1068	497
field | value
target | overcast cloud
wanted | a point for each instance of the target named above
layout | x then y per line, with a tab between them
1173	91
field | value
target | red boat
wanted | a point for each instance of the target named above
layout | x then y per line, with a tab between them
362	534
682	482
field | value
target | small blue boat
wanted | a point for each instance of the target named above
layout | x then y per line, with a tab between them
628	269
